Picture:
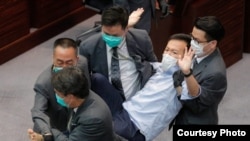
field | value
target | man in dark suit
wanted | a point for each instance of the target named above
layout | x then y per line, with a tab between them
206	80
135	51
149	11
90	118
47	112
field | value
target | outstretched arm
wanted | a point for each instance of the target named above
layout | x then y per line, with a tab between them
134	17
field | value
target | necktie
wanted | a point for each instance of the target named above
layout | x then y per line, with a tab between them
70	120
115	71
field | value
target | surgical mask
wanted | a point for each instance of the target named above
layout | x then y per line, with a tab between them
57	69
111	41
198	49
61	102
168	61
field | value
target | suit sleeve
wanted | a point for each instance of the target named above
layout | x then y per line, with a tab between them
211	92
86	130
40	119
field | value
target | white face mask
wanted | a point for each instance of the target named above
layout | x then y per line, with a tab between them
197	48
168	61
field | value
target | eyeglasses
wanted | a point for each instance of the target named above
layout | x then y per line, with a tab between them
196	41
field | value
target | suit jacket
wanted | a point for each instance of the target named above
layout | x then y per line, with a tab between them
91	122
211	76
46	112
139	47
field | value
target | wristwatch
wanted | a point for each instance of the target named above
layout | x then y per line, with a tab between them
47	137
190	73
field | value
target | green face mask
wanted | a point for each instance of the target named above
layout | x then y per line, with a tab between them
57	69
111	41
61	102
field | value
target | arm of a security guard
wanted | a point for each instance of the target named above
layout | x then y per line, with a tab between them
207	92
40	119
204	93
84	130
192	85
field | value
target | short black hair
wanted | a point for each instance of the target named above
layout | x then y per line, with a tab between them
212	26
181	36
65	43
71	80
115	15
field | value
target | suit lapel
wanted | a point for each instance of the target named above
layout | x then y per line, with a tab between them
131	44
101	58
203	64
87	102
197	70
71	123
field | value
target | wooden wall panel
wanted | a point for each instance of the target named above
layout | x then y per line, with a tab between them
161	30
247	26
14	20
46	11
230	12
44	33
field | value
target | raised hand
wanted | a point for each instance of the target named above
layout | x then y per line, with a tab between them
186	61
135	16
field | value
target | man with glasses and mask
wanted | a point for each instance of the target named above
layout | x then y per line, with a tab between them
49	110
205	74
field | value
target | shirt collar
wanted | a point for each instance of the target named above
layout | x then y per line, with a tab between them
200	58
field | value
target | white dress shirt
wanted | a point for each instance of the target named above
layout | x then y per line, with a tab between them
129	74
156	105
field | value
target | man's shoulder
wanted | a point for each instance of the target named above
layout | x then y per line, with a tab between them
136	31
138	35
82	60
214	62
91	43
96	102
92	38
44	77
94	109
95	97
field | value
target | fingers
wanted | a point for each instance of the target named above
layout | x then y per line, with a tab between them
30	131
189	52
135	16
32	135
137	13
185	51
140	11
